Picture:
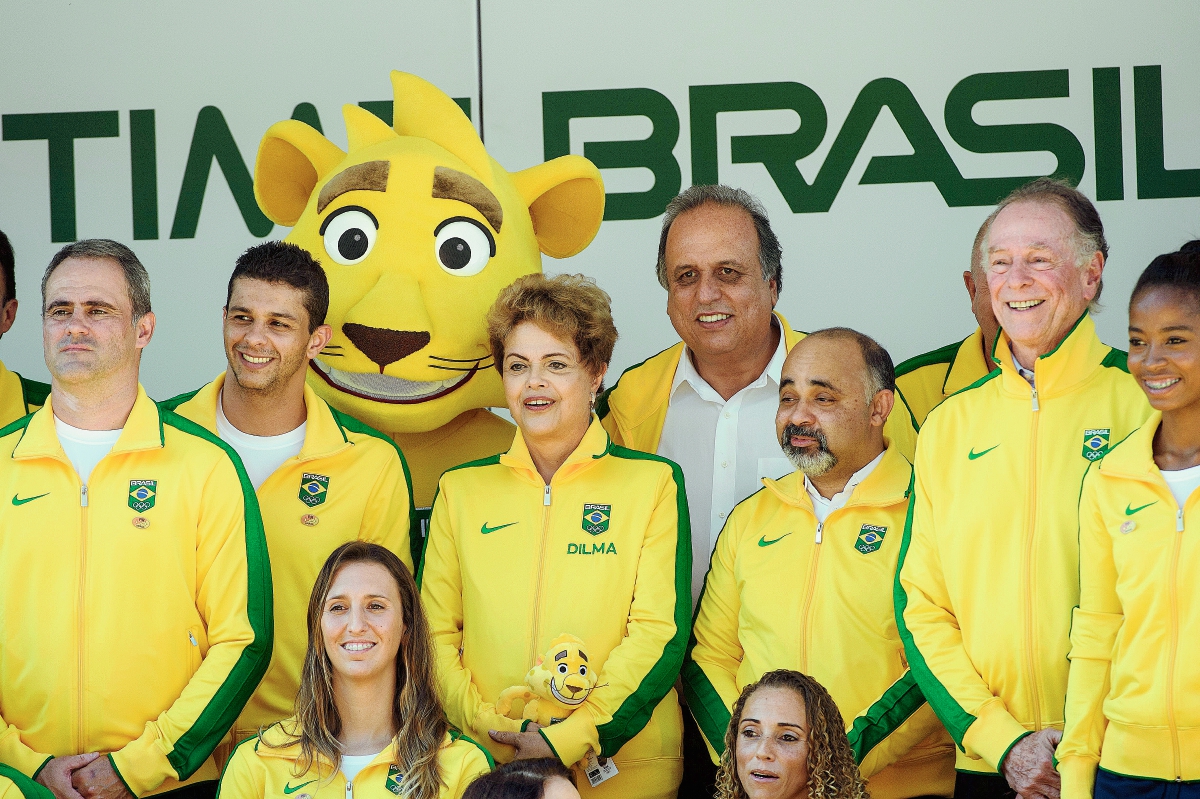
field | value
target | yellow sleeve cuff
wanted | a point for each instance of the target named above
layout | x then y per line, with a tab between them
992	734
572	737
14	753
1078	777
142	764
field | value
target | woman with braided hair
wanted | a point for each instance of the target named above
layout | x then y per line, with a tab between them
786	740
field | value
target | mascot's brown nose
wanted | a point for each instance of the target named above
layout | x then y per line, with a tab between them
384	346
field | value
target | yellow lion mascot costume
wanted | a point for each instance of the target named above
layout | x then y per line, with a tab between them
418	229
559	682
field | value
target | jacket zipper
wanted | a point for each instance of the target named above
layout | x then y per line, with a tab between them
349	790
537	589
83	536
1172	582
808	596
1035	694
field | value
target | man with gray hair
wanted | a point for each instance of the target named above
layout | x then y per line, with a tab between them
830	532
989	571
134	582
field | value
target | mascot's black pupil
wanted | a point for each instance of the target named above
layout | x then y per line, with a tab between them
455	253
353	244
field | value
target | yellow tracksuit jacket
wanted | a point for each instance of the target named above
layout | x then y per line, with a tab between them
925	380
15	785
1133	697
634	410
361	492
258	770
603	553
836	622
990	563
135	612
19	396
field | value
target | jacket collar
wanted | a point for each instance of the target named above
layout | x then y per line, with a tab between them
1134	458
143	430
885	486
968	365
1059	371
657	375
323	435
591	447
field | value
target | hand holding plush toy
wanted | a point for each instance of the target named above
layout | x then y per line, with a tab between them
559	683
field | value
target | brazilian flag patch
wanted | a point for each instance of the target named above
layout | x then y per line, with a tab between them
1095	443
393	779
313	489
141	494
595	518
870	538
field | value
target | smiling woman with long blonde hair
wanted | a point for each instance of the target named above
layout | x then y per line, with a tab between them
368	721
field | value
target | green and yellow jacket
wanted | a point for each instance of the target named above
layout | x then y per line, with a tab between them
19	396
155	581
604	553
1133	697
990	564
925	380
349	483
836	623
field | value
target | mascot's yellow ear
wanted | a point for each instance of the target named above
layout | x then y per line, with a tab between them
566	201
421	109
292	158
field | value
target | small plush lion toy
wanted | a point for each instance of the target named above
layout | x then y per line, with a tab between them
560	682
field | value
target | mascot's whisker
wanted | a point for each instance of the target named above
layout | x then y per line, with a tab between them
460	360
332	354
476	367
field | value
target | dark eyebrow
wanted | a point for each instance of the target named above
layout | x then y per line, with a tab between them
87	303
560	655
785	382
778	724
276	314
450	184
824	384
367	176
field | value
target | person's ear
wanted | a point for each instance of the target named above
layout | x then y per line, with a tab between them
969	282
1093	273
881	407
598	378
317	341
145	329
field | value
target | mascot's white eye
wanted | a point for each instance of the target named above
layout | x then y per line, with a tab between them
463	246
349	234
562	668
583	671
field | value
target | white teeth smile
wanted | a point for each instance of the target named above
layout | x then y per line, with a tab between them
714	317
1023	304
384	388
252	359
1161	384
357	646
538	403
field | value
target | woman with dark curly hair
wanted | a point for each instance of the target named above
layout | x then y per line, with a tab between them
786	740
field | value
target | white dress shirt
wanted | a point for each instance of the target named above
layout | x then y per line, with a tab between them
724	448
823	507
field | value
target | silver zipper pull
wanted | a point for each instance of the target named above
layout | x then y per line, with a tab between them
83	496
1035	402
546	496
192	638
820	527
1179	521
349	790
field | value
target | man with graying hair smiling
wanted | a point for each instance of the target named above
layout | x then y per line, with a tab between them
137	538
990	569
830	531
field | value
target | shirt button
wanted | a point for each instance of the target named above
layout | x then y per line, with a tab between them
724	464
721	514
726	414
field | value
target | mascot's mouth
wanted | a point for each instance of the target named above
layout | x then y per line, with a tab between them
576	701
391	390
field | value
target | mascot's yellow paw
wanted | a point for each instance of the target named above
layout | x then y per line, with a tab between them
560	682
418	229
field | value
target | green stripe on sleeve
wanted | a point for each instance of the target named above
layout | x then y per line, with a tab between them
33	392
947	709
886	715
28	788
194	746
634	713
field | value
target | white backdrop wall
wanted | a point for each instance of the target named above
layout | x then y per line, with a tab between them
862	250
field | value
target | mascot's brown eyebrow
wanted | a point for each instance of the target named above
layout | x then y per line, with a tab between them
369	176
563	654
450	184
